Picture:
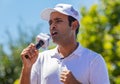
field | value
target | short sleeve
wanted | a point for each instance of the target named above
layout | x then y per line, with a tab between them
33	77
36	72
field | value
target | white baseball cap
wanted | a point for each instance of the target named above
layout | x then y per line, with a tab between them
66	9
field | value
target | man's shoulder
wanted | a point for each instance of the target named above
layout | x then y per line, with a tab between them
89	54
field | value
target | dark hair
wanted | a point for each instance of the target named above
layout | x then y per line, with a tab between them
72	19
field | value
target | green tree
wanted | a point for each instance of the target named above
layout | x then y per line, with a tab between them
100	31
10	63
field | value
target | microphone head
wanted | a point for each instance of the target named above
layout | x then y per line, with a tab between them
43	40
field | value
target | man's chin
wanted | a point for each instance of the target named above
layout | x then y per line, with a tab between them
56	41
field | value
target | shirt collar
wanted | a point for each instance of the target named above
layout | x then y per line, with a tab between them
76	52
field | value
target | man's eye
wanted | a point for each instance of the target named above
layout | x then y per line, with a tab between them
50	23
57	21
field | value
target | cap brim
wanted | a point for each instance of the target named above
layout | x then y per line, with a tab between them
46	13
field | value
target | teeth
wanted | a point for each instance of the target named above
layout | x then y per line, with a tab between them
53	32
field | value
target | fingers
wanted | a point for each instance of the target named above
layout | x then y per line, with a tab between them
68	78
65	72
64	75
29	52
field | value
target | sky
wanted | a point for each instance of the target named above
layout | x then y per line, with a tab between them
12	12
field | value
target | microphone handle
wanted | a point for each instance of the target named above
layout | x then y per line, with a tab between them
38	45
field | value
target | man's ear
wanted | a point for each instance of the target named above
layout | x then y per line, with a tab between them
75	24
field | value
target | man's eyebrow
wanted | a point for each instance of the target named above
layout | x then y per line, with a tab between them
55	19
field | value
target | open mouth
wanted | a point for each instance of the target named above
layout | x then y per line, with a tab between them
54	33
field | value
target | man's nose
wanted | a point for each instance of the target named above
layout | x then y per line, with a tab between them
53	26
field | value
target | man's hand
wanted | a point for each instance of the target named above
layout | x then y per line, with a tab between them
29	56
67	78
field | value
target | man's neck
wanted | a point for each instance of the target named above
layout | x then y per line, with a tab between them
66	50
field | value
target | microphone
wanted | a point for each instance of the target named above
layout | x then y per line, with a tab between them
39	44
42	41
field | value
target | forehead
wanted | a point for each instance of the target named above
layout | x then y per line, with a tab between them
54	15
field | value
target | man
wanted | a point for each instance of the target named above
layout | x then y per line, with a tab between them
69	62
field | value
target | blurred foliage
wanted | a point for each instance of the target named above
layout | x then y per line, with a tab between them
100	31
10	63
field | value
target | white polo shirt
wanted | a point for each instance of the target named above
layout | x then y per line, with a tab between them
87	67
